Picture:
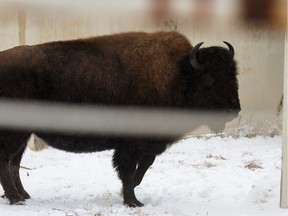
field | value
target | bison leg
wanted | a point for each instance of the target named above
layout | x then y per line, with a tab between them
7	182
14	167
145	162
11	144
125	161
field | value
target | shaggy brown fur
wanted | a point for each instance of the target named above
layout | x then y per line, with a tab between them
128	69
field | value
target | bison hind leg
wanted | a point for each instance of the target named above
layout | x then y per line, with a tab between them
12	147
14	169
10	191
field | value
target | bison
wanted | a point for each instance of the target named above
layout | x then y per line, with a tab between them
159	69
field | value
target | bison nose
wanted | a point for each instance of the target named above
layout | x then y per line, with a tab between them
233	113
235	110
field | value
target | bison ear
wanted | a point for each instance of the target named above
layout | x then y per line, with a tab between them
193	57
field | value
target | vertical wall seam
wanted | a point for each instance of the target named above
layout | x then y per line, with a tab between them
22	27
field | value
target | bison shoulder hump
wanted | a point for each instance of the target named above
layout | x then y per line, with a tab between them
177	44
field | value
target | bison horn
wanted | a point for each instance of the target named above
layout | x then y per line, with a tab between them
231	49
193	57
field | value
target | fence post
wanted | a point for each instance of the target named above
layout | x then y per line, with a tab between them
22	26
284	173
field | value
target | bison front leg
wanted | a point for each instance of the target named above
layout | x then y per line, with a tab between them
14	169
143	165
125	161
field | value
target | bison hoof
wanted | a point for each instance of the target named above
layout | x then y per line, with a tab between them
16	201
134	204
19	203
25	195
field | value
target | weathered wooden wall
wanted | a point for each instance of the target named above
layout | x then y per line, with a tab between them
259	52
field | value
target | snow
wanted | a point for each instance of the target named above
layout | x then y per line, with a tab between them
195	177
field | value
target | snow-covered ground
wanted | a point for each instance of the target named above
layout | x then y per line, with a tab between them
196	177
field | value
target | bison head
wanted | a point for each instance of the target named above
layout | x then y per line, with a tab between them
211	82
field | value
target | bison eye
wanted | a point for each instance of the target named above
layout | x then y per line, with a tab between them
208	80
